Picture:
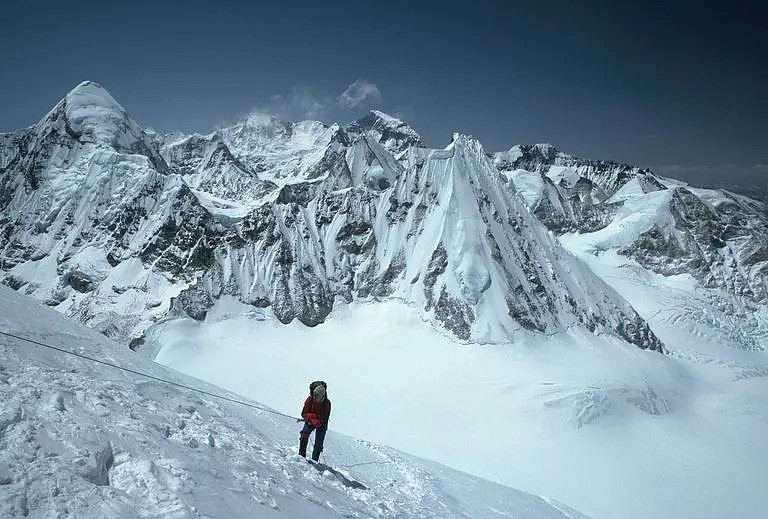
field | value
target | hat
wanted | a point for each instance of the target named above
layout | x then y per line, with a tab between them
319	393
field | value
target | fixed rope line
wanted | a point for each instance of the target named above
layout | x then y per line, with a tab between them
152	377
171	383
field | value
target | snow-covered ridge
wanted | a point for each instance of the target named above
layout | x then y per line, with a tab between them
85	440
294	216
566	170
667	226
390	132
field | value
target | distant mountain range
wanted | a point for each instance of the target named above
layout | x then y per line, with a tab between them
122	227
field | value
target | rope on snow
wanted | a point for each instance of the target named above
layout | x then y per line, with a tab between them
152	377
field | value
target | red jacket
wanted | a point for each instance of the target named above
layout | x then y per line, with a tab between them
321	409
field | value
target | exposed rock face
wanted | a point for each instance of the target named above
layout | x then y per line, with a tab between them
120	227
567	193
723	245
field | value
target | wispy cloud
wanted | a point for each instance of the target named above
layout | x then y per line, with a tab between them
304	102
300	103
360	93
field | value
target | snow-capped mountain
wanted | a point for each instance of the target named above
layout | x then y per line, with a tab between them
390	132
84	440
563	191
111	224
208	252
718	237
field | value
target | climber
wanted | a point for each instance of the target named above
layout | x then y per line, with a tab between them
316	412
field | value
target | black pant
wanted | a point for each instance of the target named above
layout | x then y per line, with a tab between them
319	439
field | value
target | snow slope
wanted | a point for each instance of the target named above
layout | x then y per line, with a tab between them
608	428
83	440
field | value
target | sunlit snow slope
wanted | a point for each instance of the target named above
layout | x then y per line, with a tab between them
608	428
83	440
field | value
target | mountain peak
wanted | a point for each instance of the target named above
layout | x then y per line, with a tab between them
394	134
386	118
545	148
541	150
92	112
376	119
89	86
90	94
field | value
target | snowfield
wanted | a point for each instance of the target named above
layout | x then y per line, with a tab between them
84	440
612	430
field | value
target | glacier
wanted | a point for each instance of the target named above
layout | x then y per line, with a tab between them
86	440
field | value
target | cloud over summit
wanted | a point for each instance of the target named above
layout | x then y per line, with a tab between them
360	93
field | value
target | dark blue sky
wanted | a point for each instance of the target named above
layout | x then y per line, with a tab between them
681	87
